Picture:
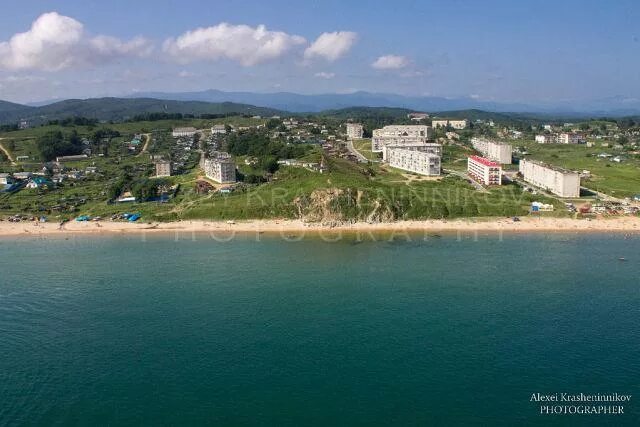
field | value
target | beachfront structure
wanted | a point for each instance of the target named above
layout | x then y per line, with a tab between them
218	130
398	134
219	168
426	147
493	150
180	132
354	130
163	168
419	162
561	182
484	170
456	124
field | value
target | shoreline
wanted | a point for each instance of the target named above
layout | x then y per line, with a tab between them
273	226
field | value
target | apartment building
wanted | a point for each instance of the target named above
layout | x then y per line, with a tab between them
569	138
220	167
354	130
184	132
493	150
218	130
400	134
545	139
561	182
419	162
426	147
561	138
484	171
163	168
456	124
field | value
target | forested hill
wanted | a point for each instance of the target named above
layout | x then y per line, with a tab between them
118	109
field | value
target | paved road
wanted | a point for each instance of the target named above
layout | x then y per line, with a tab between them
352	150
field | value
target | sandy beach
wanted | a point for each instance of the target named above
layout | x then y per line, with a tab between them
289	227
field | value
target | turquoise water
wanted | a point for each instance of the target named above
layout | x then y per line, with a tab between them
120	331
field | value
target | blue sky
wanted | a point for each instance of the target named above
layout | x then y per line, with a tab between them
515	51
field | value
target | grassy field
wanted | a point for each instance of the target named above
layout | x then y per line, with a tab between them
615	179
363	146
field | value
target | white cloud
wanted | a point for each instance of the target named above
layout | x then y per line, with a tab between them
55	42
241	43
186	74
331	46
390	62
325	75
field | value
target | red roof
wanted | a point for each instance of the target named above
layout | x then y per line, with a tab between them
484	161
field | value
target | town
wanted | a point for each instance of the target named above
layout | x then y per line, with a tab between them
229	167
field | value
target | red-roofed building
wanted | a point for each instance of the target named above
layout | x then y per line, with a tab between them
484	170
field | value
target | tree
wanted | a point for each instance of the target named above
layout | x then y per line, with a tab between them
53	144
145	189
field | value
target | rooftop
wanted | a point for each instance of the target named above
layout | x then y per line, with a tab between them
484	161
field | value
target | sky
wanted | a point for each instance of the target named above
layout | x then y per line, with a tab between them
495	50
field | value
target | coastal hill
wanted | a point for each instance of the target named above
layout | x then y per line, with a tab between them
118	109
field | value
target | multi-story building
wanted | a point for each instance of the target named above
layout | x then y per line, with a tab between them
569	138
484	170
220	167
414	161
561	138
180	132
426	147
493	150
545	139
456	124
218	130
163	168
561	182
399	134
354	130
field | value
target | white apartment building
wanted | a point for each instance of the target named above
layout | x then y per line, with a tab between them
545	139
493	150
163	168
414	161
561	182
218	130
426	147
484	170
189	131
354	130
219	168
399	134
456	124
561	138
569	138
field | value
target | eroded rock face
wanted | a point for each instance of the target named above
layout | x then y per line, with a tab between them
337	206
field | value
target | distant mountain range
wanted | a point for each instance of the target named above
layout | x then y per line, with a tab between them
293	102
121	109
351	105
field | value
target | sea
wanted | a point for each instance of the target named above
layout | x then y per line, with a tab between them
287	330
